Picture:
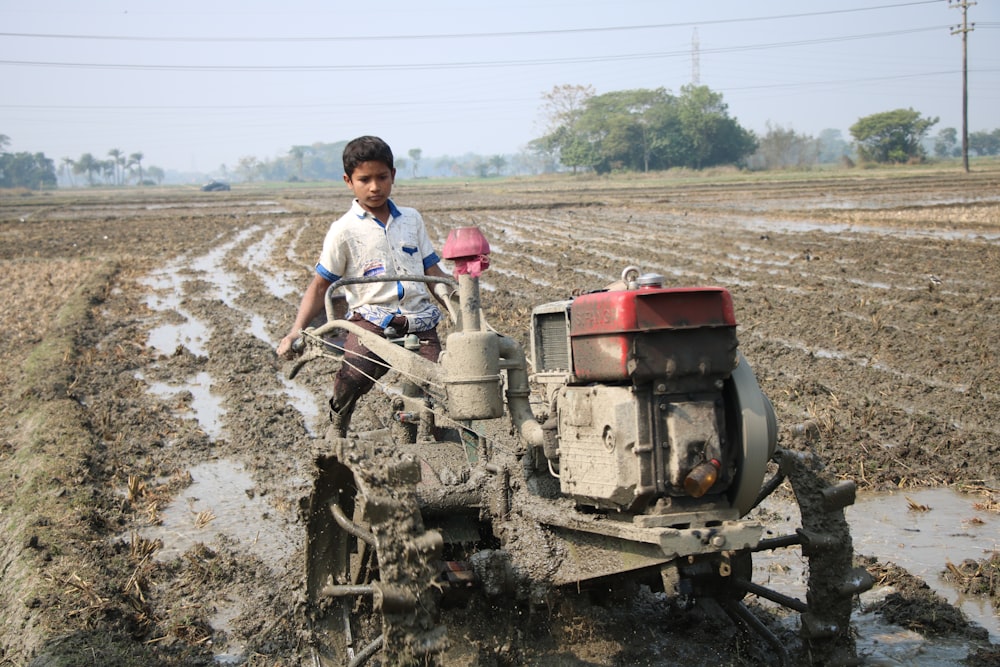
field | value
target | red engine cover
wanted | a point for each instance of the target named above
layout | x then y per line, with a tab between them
638	334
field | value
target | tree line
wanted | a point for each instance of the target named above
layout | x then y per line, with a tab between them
324	161
118	169
35	171
642	129
25	170
625	130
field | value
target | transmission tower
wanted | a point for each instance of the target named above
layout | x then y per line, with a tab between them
964	29
695	59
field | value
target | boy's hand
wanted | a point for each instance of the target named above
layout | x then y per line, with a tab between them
287	349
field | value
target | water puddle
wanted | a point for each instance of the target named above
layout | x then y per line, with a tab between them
168	287
221	501
192	334
206	406
281	284
923	542
846	229
221	504
212	267
306	401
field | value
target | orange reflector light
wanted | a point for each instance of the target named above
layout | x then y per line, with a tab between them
701	478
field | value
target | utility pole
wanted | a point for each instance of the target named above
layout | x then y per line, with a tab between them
964	29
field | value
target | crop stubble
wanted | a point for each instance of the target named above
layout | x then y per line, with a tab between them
868	307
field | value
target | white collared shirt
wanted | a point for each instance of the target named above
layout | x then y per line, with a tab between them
358	244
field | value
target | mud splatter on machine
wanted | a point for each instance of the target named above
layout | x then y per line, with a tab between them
638	442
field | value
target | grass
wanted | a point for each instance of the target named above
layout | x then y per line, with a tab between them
47	505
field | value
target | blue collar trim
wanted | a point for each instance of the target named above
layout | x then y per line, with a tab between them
393	211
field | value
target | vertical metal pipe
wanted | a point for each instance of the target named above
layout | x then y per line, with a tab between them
468	293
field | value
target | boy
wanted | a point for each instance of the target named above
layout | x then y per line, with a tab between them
375	237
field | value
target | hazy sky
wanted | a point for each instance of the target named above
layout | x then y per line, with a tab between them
193	85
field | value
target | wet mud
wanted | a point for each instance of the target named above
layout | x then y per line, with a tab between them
158	461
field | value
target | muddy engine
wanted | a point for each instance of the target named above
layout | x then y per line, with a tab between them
651	405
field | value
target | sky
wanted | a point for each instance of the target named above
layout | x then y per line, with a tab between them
196	85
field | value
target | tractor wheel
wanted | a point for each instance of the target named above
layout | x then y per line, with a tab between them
371	566
825	541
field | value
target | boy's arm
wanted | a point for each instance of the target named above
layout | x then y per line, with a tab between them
441	291
313	302
435	270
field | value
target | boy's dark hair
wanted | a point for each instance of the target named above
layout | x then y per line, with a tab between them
366	149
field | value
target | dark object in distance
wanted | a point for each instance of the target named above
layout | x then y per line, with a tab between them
215	186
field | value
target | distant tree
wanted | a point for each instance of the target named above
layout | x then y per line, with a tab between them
627	127
68	167
156	173
136	159
448	165
248	168
832	147
781	147
89	165
118	157
574	150
714	137
498	162
891	136
644	129
298	153
27	170
564	104
414	154
4	142
109	169
985	143
946	143
318	161
562	107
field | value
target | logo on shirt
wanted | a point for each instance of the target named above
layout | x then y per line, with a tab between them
373	268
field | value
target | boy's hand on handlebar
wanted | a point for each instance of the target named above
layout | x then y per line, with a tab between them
290	347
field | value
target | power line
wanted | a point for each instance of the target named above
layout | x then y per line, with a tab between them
485	102
457	65
477	35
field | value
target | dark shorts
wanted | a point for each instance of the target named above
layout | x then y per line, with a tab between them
362	367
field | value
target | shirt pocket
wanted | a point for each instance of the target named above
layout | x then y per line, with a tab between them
410	260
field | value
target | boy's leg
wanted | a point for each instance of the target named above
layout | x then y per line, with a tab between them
356	376
362	367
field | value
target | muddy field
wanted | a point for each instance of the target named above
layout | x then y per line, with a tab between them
155	456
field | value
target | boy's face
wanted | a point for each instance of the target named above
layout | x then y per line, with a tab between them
371	183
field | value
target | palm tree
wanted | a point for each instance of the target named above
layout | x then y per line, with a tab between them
117	157
136	159
110	170
69	166
87	164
